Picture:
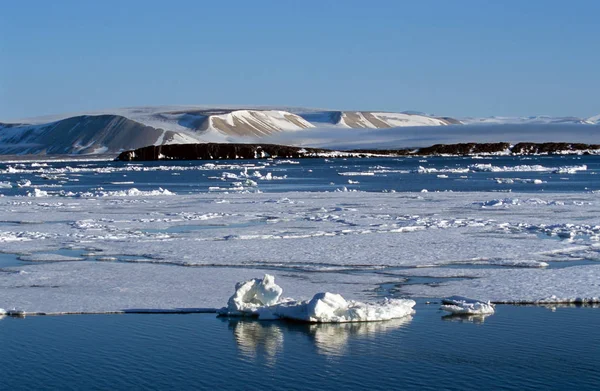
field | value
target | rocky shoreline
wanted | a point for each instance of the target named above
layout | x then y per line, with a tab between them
225	151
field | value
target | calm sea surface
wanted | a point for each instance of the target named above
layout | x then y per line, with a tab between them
375	174
518	348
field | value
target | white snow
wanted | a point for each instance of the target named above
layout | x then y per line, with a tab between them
190	248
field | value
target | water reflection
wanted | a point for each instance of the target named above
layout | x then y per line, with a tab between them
257	339
478	319
332	339
264	340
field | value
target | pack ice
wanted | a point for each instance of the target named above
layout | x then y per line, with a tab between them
262	298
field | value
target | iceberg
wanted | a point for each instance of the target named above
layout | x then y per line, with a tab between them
458	305
262	298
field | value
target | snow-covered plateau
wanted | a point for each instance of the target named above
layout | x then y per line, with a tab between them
162	251
113	131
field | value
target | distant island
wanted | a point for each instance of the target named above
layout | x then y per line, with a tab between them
109	132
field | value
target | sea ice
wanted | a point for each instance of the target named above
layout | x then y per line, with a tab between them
459	305
262	298
252	295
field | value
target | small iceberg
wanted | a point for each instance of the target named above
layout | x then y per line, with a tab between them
2	312
262	298
458	305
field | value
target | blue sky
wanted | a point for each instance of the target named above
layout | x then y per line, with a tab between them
456	58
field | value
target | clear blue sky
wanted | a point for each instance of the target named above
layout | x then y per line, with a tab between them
455	58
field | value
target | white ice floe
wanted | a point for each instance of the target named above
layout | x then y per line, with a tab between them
333	308
253	295
49	258
527	168
358	173
459	305
38	193
262	298
23	182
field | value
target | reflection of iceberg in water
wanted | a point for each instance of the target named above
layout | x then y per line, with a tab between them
478	319
258	339
332	339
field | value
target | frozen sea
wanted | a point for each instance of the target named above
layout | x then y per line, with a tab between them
99	237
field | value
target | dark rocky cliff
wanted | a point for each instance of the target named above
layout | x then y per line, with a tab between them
215	151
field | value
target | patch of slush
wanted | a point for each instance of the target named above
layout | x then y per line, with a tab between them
262	298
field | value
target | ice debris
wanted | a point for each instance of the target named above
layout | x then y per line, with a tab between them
262	298
458	305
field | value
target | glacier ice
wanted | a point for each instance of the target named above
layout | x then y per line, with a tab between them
262	298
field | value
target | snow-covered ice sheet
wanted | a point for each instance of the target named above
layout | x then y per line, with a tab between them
186	251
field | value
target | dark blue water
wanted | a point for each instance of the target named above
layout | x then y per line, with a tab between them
398	174
519	348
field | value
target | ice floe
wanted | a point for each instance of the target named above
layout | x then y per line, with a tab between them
459	305
262	298
542	245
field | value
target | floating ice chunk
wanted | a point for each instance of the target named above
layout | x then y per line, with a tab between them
459	305
24	183
570	169
500	203
49	258
262	298
333	308
250	296
359	173
5	185
2	312
38	193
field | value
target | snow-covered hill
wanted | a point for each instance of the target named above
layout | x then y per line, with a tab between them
372	120
112	131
